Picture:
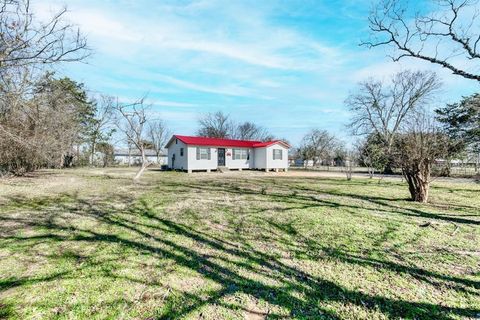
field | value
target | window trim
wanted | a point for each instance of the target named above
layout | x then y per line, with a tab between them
278	155
240	154
201	155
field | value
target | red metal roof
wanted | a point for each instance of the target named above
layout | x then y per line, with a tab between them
202	141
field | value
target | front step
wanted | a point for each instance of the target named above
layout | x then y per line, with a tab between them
223	169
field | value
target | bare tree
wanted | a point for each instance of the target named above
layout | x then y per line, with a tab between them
158	134
396	115
448	37
131	120
99	130
26	41
251	131
351	158
216	125
317	145
416	150
220	125
381	108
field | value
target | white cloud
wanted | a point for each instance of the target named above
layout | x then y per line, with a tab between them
229	90
175	116
253	42
165	103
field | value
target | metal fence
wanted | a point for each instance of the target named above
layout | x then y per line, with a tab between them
436	170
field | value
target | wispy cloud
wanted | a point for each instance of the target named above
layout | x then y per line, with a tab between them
175	104
230	90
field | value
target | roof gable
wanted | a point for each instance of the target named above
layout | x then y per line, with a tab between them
271	143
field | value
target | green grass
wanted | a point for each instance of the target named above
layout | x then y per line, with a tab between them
90	244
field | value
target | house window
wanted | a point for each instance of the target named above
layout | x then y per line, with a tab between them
181	152
240	154
176	141
277	154
203	153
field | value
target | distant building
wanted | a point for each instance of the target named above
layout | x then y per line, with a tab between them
133	157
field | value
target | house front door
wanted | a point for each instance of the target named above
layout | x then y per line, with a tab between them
221	157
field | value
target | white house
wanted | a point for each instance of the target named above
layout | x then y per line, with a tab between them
199	153
133	157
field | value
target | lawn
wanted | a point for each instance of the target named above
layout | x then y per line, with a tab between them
90	244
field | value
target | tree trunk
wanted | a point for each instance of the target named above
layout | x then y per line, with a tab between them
388	168
477	163
129	155
418	183
140	172
92	155
144	166
447	170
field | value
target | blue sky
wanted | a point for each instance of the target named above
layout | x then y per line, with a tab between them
286	65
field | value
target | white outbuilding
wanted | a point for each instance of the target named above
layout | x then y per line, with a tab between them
205	154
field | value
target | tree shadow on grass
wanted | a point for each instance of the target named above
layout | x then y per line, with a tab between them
305	198
413	212
6	310
145	230
383	204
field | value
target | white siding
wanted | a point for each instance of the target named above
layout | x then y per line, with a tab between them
239	163
181	163
203	164
277	164
212	164
260	158
264	157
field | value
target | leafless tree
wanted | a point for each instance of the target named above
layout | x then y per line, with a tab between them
381	108
25	41
317	145
99	130
449	36
131	120
220	125
251	131
158	134
216	125
395	114
351	158
416	150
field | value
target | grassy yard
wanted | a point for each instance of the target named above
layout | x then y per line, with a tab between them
89	244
